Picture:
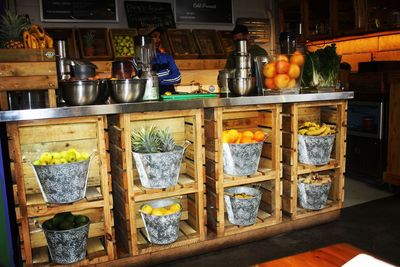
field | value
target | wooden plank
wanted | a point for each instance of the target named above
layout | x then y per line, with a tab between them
20	69
28	83
27	55
40	255
57	133
303	168
95	248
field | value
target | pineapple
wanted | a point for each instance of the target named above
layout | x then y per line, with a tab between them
11	28
167	141
152	140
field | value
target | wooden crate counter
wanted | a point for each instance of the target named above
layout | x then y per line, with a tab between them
329	112
27	70
129	194
27	141
266	118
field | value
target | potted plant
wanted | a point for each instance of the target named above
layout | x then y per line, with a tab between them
157	157
313	190
66	236
88	43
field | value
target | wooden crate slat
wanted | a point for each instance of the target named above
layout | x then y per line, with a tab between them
28	83
27	55
59	133
10	69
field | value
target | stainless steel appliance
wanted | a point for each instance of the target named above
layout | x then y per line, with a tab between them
366	139
144	54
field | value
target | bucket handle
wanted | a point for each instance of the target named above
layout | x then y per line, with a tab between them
186	145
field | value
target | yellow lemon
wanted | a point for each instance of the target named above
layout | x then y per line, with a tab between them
157	212
147	209
168	212
175	207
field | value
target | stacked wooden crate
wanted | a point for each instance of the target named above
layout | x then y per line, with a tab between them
27	141
268	119
27	70
330	112
129	194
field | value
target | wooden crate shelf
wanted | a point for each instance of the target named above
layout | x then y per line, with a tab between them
266	118
129	194
27	140
24	70
329	112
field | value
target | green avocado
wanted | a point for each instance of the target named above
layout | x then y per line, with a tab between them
81	219
48	225
65	225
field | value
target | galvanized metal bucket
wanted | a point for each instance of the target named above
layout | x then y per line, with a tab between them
315	150
159	170
162	230
67	246
313	196
241	159
63	183
242	211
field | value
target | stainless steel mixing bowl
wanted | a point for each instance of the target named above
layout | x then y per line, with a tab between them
79	93
241	86
128	90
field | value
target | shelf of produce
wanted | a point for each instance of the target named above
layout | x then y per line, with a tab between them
129	194
259	117
329	112
24	70
54	135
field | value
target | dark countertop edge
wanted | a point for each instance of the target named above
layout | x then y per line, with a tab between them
94	110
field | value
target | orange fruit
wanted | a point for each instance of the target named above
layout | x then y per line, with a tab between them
259	136
292	83
245	140
248	134
297	58
234	134
282	57
269	70
294	71
239	138
269	83
281	81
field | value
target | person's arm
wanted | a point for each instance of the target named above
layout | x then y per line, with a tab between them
167	72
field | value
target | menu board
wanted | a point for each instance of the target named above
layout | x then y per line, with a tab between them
78	10
140	14
203	11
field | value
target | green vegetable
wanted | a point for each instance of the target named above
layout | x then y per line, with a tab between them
321	67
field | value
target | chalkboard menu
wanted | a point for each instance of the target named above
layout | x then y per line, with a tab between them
203	11
140	14
78	10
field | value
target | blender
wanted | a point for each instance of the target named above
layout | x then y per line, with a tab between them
145	52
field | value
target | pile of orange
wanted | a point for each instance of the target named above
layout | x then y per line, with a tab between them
284	72
234	136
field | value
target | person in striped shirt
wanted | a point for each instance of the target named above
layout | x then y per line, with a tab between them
164	65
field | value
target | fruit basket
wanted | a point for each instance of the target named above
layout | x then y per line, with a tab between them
157	157
122	42
66	236
313	190
282	74
241	151
62	177
242	204
161	220
315	143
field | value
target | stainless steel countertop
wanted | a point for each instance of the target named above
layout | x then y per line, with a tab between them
63	112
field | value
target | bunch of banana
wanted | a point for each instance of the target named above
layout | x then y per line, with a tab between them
35	37
314	129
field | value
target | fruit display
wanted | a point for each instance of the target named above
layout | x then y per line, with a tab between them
11	28
314	129
35	37
152	140
315	178
66	156
167	210
242	195
123	46
234	136
65	221
284	71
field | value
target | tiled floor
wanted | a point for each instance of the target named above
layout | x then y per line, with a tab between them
357	192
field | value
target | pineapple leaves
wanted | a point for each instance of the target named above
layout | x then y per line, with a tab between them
152	140
12	25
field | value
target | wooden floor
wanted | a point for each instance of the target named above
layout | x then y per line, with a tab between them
331	256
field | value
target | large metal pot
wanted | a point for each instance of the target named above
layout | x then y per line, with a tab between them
78	93
82	69
128	90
